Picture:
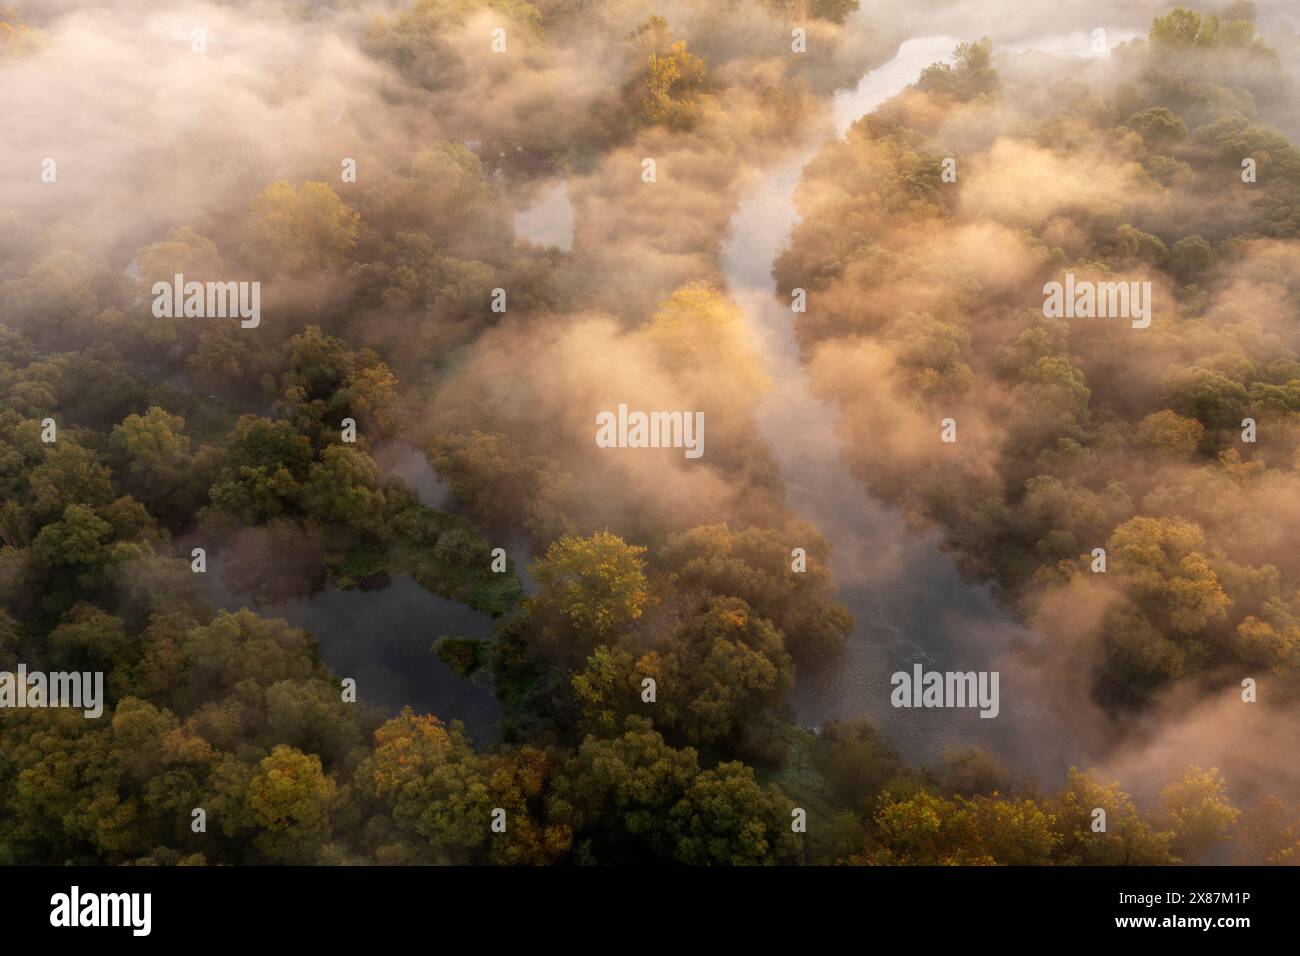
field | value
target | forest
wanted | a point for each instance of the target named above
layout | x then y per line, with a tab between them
364	164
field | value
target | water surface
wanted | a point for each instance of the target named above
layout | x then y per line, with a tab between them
908	600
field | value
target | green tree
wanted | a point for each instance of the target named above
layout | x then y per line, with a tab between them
70	475
77	539
618	793
343	488
1159	126
972	73
1190	257
726	819
263	474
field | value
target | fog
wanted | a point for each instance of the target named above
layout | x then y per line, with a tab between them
920	306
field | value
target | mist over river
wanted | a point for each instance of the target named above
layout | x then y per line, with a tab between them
909	603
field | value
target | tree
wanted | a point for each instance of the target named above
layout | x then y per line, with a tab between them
1212	398
617	794
1139	655
70	475
1133	243
971	75
343	488
304	229
1196	809
589	589
89	639
462	548
289	799
1181	29
1269	831
857	762
275	563
671	90
239	648
607	688
720	671
923	830
1170	433
76	539
1128	840
11	641
726	819
433	783
16	37
971	771
699	331
1159	126
152	454
1161	561
184	251
325	381
263	473
1013	832
754	564
518	782
153	447
1275	645
503	482
837	11
309	715
1190	258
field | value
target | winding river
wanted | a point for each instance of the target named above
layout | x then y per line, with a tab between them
908	600
909	603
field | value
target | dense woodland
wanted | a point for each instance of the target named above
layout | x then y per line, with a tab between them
1089	433
177	433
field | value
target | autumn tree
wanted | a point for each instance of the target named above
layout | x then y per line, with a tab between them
756	565
289	800
590	589
305	228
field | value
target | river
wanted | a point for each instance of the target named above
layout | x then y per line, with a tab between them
909	603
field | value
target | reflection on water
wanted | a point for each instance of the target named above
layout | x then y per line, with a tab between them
383	638
412	466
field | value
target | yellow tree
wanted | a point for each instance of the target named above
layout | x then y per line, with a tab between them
289	799
590	589
1197	810
307	228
